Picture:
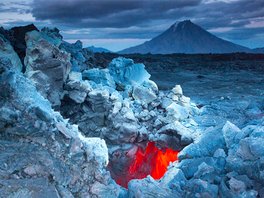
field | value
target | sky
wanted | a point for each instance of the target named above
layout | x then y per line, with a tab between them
118	24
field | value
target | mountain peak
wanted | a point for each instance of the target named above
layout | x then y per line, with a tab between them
181	25
185	22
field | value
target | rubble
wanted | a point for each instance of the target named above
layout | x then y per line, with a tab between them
118	115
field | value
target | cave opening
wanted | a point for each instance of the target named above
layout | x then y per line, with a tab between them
140	161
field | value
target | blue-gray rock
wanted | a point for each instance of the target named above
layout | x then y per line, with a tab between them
46	65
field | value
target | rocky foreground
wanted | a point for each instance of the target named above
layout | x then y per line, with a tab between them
62	121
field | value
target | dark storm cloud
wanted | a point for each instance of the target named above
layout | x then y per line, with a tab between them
107	13
148	13
14	7
242	33
117	13
234	14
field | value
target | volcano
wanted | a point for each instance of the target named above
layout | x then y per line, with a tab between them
186	37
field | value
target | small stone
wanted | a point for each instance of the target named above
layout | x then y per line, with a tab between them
177	90
236	185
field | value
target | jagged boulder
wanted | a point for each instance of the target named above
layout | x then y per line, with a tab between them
52	35
127	75
77	89
46	65
126	72
174	135
79	56
145	92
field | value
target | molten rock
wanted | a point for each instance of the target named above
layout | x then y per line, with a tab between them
143	162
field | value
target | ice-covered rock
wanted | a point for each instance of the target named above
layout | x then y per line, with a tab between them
237	186
174	178
46	65
125	119
28	187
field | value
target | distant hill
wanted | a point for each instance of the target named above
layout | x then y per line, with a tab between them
186	37
259	50
98	49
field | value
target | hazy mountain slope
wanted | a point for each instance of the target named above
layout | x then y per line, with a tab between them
98	49
258	50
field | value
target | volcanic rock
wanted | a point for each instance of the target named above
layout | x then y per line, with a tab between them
146	92
175	135
41	161
46	63
77	89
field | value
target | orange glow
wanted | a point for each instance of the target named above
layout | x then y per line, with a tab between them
152	161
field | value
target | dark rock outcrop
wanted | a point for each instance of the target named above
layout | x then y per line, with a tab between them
16	37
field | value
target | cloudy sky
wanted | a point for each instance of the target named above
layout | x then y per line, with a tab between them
117	24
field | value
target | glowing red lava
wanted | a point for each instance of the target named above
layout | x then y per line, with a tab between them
151	161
